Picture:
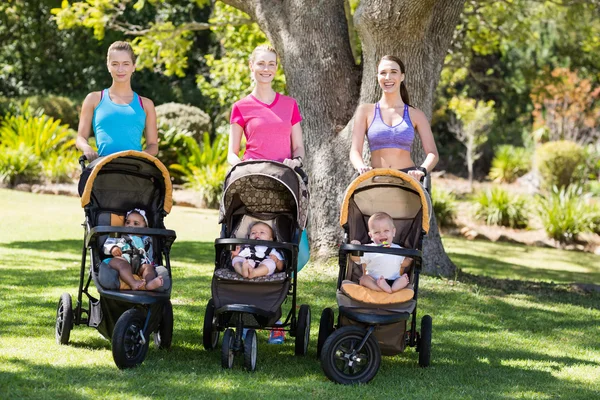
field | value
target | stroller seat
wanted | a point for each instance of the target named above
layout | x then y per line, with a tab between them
364	297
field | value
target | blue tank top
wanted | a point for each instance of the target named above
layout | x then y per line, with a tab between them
118	127
382	136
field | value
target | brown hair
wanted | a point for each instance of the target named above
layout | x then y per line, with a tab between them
403	90
264	47
121	46
381	216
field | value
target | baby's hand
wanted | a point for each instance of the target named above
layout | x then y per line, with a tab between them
116	251
355	242
236	251
273	257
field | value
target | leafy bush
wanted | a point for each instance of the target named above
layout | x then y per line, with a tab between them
205	168
60	168
498	207
18	164
57	107
563	213
509	163
594	218
558	161
444	206
184	117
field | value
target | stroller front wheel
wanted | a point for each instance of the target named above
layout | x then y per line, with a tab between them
227	350
343	362
210	334
64	319
129	347
163	337
325	328
250	350
425	341
303	330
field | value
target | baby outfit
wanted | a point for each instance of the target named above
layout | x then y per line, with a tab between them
257	255
386	265
142	243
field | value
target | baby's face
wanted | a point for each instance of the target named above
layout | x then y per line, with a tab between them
382	231
261	232
135	220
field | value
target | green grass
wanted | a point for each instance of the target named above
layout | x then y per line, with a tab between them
493	337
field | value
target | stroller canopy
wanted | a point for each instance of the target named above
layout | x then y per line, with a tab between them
126	180
264	187
396	192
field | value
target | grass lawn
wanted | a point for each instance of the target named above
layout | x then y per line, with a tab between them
493	336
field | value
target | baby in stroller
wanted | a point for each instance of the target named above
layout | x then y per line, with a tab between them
254	261
136	270
382	272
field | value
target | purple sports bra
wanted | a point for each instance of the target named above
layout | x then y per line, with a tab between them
382	136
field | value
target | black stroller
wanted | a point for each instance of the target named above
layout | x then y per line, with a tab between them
109	187
273	193
372	323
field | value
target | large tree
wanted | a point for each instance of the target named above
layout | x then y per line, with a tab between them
315	43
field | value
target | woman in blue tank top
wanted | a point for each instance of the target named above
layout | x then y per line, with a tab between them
117	115
390	126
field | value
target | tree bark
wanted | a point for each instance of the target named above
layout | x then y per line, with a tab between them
312	40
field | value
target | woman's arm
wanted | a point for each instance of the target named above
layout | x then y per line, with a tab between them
85	125
297	148
151	130
235	140
358	138
422	125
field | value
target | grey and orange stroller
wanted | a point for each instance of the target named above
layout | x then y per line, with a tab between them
372	323
273	193
109	187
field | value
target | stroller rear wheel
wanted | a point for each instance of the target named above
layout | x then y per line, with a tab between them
250	350
425	341
303	330
64	319
342	360
210	334
325	328
129	347
163	337
227	350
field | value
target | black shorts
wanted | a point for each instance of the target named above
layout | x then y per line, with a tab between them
390	281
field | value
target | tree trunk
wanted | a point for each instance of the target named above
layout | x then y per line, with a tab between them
312	40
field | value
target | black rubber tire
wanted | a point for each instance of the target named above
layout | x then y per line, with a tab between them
127	347
210	334
303	330
339	345
425	341
250	350
163	337
64	319
227	353
325	328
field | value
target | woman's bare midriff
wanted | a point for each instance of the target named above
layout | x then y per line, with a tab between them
391	158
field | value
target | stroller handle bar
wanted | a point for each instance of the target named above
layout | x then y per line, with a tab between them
267	243
82	161
358	248
169	234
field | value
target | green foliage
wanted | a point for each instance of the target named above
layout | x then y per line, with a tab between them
558	161
205	167
509	163
498	207
18	164
594	217
563	213
58	107
60	168
444	206
184	117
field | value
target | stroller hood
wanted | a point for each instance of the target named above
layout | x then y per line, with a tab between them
264	187
391	190
125	180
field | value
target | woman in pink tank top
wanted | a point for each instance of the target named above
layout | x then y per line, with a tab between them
269	121
390	126
117	111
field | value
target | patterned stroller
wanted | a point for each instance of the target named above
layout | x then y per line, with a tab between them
109	187
372	323
273	193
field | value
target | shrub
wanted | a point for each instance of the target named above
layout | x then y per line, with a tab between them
498	207
208	181
60	168
563	213
444	206
594	218
58	107
184	117
509	163
18	165
558	161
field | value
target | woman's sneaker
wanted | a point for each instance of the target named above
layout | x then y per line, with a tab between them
277	336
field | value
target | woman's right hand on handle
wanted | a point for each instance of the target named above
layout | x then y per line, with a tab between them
90	154
363	169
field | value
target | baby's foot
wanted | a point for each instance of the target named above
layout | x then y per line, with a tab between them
155	283
400	283
138	285
245	271
384	285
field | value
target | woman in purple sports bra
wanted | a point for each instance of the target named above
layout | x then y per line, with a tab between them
117	115
390	126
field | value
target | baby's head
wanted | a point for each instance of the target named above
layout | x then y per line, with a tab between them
260	231
381	228
136	218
